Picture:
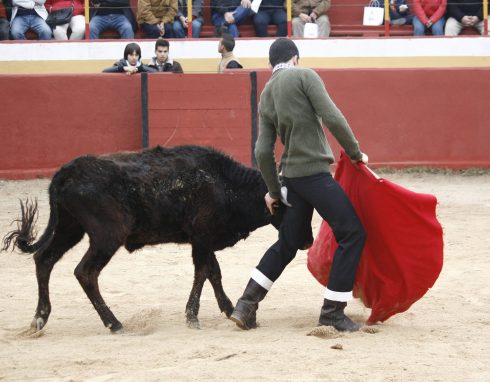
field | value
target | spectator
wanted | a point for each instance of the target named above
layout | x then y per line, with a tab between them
162	62
4	21
464	14
399	12
29	14
131	63
181	20
77	21
157	17
429	14
270	12
112	14
228	60
310	11
227	15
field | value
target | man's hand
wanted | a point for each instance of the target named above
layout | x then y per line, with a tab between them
467	21
184	21
305	18
246	3
161	28
272	204
229	18
364	159
313	17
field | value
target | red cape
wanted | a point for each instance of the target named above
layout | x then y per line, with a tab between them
403	254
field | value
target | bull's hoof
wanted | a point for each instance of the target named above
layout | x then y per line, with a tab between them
193	323
38	323
228	310
116	328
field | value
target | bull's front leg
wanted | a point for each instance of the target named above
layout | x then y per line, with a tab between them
201	271
214	277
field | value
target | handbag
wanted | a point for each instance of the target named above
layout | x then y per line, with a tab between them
311	30
373	13
59	16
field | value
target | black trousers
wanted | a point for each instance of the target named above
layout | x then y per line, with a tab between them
322	193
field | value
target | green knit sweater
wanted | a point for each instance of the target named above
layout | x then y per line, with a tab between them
293	105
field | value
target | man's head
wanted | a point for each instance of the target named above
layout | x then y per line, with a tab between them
161	50
226	44
132	53
282	50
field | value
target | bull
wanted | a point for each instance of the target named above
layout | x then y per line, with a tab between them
184	194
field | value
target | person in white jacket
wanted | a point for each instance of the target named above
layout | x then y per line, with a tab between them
29	14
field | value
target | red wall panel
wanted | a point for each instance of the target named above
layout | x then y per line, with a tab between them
435	117
48	120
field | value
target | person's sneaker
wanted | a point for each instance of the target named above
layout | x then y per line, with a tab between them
400	21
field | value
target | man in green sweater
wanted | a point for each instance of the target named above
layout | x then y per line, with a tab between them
293	106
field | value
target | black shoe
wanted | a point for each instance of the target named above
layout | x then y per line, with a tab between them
244	315
332	314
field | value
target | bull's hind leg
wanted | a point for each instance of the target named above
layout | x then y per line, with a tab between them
199	256
87	272
214	277
66	235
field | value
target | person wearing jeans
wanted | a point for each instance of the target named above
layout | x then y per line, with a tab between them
227	15
112	14
29	14
293	106
181	20
270	12
429	14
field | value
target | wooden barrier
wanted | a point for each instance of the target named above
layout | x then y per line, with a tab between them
402	117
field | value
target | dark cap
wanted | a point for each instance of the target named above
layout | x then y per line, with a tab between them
282	50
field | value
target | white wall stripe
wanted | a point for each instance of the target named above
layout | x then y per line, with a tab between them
474	46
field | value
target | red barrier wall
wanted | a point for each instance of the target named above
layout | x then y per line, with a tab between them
47	120
401	117
202	109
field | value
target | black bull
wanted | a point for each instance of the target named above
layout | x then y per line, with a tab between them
185	194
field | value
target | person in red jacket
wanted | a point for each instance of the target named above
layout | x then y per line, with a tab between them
77	21
429	14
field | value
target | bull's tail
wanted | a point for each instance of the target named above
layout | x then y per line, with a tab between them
23	237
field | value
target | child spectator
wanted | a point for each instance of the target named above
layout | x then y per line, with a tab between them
77	21
112	14
162	62
131	63
429	14
181	20
29	14
156	17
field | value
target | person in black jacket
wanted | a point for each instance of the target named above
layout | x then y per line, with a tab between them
131	63
228	60
112	14
463	14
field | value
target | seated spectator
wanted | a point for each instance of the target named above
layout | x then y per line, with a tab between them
111	14
228	60
181	21
131	63
227	15
77	21
399	12
464	14
310	11
156	17
162	62
29	14
429	14
4	21
270	12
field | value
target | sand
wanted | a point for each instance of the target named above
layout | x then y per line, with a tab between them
445	336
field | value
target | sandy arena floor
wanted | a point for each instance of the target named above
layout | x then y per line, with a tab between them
443	337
